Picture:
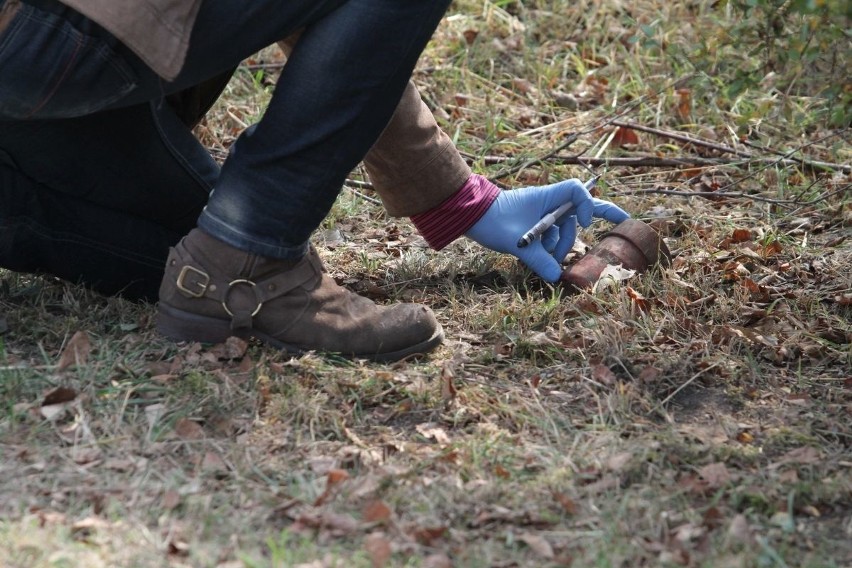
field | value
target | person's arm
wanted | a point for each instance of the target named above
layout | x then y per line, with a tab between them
418	172
414	166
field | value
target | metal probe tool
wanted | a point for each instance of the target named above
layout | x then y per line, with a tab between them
548	220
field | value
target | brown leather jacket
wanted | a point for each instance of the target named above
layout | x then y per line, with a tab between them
414	166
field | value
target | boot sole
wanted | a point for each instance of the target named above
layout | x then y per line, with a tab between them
185	326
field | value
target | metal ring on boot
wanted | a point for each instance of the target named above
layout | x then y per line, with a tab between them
228	292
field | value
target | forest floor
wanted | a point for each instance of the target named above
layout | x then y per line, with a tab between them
696	415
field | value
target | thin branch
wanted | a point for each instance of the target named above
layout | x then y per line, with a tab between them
785	157
351	184
621	161
711	195
737	195
780	160
270	66
682	138
656	161
814	164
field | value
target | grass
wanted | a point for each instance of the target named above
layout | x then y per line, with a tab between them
693	416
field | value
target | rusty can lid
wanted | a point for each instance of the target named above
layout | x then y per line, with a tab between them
645	238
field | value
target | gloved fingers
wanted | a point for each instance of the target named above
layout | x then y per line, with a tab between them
567	236
584	212
556	194
575	191
540	261
609	211
550	238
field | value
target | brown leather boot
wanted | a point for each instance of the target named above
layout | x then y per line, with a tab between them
212	290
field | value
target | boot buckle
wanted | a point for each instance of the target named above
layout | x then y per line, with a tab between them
201	280
228	292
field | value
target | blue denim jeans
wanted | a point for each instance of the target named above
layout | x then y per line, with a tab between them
83	120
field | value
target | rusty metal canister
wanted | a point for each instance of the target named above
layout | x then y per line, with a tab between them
632	244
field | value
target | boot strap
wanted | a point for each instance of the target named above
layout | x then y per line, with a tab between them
194	282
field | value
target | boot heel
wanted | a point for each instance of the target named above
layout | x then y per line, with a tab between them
184	326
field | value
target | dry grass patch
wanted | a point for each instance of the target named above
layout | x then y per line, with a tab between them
693	416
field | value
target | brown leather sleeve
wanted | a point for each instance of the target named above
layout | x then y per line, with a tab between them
414	166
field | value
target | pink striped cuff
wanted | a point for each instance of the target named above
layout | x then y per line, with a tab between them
446	222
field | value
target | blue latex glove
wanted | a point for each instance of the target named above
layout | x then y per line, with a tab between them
514	212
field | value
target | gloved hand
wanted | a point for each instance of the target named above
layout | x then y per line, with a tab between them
514	212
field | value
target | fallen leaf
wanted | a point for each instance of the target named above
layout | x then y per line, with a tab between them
804	455
333	479
784	520
187	429
76	351
537	544
672	557
88	525
637	299
745	438
378	547
232	348
171	499
501	472
448	387
427	535
213	463
617	462
438	560
153	413
50	518
53	412
789	476
713	518
56	403
336	476
715	474
649	374
178	547
625	136
85	455
59	395
771	249
605	483
334	524
684	103
603	375
430	430
376	512
568	504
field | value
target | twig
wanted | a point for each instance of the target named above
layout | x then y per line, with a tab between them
738	194
813	164
351	184
681	137
527	163
271	66
621	161
785	157
779	160
658	162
